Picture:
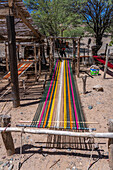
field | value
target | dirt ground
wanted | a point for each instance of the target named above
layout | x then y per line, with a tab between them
35	154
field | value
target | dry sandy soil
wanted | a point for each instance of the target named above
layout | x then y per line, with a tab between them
35	154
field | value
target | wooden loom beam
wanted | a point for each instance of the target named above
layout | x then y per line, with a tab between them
58	132
60	121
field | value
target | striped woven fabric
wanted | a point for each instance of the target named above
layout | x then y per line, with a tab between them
22	67
60	105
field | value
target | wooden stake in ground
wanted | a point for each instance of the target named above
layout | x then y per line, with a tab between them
6	136
110	144
106	65
84	84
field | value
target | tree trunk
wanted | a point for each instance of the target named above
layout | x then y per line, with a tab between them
98	45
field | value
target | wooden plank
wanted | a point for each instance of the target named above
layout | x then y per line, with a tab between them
4	12
36	33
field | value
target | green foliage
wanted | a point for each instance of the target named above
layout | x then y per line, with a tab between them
77	32
72	17
98	15
111	43
53	17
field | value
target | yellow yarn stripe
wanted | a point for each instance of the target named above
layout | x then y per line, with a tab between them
51	113
50	97
65	114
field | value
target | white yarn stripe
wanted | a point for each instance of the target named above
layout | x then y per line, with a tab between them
59	97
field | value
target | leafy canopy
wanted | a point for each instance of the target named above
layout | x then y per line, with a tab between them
98	15
54	16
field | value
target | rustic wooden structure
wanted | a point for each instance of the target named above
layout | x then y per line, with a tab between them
18	27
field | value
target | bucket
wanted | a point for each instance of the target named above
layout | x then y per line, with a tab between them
94	70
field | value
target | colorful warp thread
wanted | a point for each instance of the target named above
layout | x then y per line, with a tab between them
60	104
21	69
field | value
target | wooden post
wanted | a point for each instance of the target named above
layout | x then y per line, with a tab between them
106	49
13	60
74	51
18	52
110	144
106	64
51	55
78	58
74	48
84	58
7	67
39	57
6	136
35	62
84	84
48	51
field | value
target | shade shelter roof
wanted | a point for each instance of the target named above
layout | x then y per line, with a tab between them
25	28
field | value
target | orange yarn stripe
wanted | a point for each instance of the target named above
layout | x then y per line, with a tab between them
69	98
50	97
